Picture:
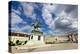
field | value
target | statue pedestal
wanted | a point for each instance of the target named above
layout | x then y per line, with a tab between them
36	40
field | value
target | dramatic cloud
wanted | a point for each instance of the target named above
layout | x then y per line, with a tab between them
65	20
56	18
17	24
15	18
47	14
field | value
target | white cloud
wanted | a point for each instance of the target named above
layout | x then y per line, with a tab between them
27	27
29	10
15	29
64	21
74	14
49	7
16	11
68	19
74	25
15	18
47	16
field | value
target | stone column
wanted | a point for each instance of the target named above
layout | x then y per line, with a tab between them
29	37
69	37
73	38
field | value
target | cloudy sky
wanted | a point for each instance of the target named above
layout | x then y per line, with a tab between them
55	18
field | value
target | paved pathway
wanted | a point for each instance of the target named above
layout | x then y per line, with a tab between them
62	46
